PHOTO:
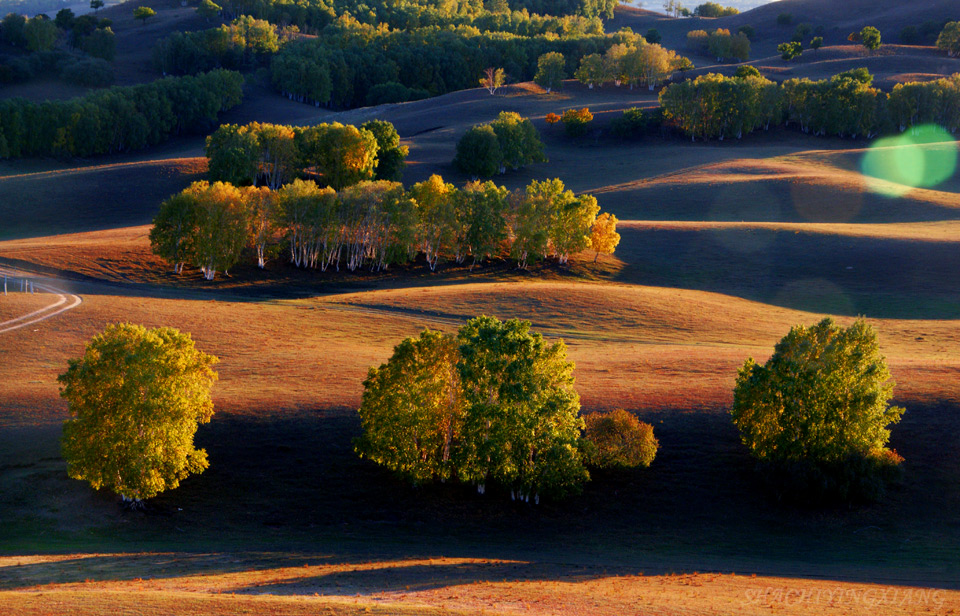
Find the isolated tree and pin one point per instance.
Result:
(653, 36)
(412, 409)
(135, 398)
(575, 121)
(143, 13)
(789, 51)
(816, 43)
(870, 38)
(745, 71)
(391, 156)
(551, 70)
(521, 426)
(949, 39)
(208, 9)
(603, 235)
(96, 5)
(618, 440)
(478, 152)
(493, 79)
(822, 399)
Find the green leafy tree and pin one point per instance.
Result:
(440, 220)
(746, 71)
(143, 13)
(551, 71)
(341, 155)
(208, 9)
(822, 399)
(391, 156)
(478, 152)
(789, 51)
(101, 43)
(233, 155)
(618, 440)
(816, 43)
(870, 38)
(653, 36)
(572, 220)
(64, 19)
(221, 231)
(519, 141)
(265, 220)
(11, 29)
(96, 5)
(482, 209)
(40, 33)
(784, 19)
(591, 71)
(949, 39)
(135, 399)
(412, 409)
(174, 229)
(521, 427)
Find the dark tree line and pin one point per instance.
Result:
(352, 64)
(244, 44)
(117, 119)
(846, 105)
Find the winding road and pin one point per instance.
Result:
(64, 302)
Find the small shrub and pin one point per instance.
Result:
(636, 122)
(618, 440)
(746, 71)
(575, 121)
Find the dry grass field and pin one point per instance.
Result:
(724, 247)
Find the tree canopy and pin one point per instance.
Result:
(136, 397)
(509, 142)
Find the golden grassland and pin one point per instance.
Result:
(724, 247)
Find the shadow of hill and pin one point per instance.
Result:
(876, 277)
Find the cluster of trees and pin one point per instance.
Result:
(136, 398)
(376, 224)
(644, 64)
(92, 40)
(243, 44)
(494, 404)
(351, 64)
(949, 39)
(712, 9)
(509, 142)
(868, 36)
(720, 44)
(816, 414)
(846, 105)
(924, 34)
(336, 155)
(116, 119)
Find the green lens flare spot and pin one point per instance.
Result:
(923, 157)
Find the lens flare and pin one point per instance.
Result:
(923, 157)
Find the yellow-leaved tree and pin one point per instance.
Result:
(603, 235)
(136, 398)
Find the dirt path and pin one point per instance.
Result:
(65, 301)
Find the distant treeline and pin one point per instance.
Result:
(376, 224)
(715, 107)
(117, 119)
(314, 15)
(352, 64)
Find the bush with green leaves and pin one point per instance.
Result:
(949, 39)
(509, 142)
(618, 440)
(494, 405)
(135, 398)
(820, 403)
(790, 50)
(636, 122)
